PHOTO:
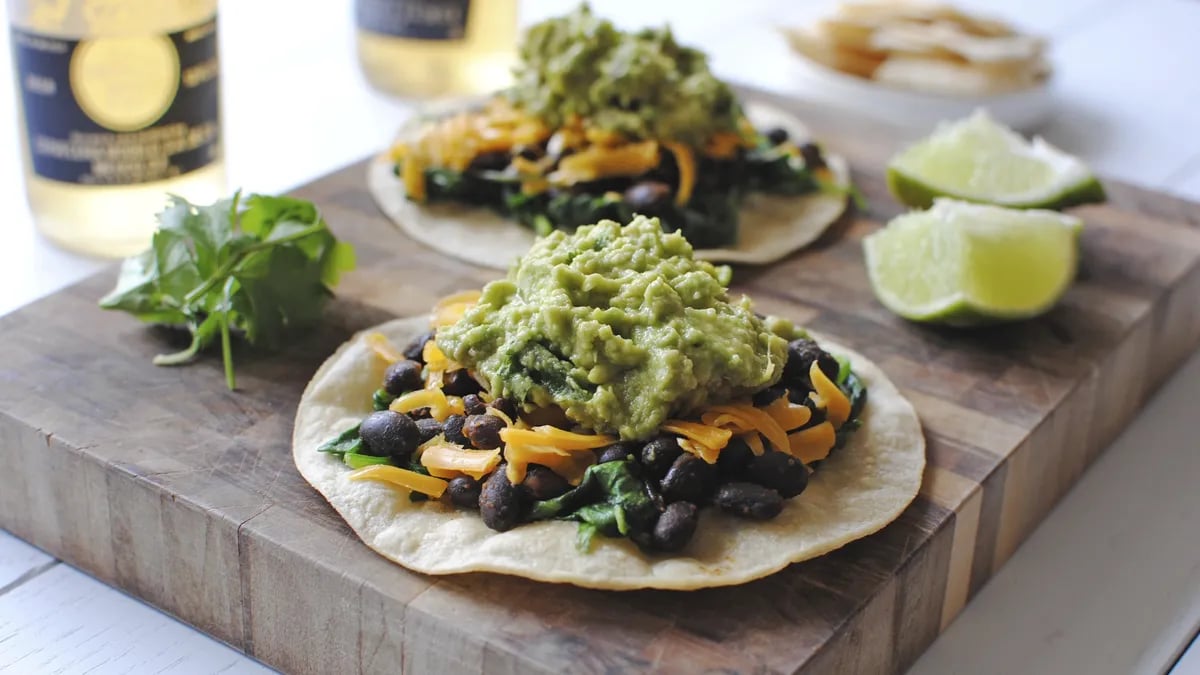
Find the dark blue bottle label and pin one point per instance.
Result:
(119, 111)
(414, 19)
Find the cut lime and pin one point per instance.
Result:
(978, 160)
(964, 264)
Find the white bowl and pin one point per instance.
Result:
(914, 111)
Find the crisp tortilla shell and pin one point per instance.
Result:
(855, 492)
(770, 227)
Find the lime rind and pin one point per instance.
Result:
(978, 160)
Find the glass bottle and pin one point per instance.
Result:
(424, 48)
(118, 107)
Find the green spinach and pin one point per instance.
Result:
(610, 499)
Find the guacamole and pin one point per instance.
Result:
(643, 84)
(618, 326)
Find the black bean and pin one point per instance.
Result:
(647, 195)
(542, 483)
(811, 153)
(675, 526)
(530, 152)
(474, 405)
(501, 504)
(748, 500)
(464, 491)
(801, 354)
(429, 428)
(460, 383)
(506, 406)
(734, 458)
(483, 431)
(452, 429)
(780, 472)
(616, 451)
(659, 454)
(420, 414)
(777, 135)
(690, 479)
(768, 395)
(389, 434)
(415, 351)
(490, 161)
(402, 376)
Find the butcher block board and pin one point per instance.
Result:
(165, 484)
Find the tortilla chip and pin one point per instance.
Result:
(858, 490)
(770, 227)
(938, 76)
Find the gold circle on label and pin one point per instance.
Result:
(126, 83)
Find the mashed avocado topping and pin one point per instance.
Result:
(643, 84)
(620, 327)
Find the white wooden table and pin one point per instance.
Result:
(1110, 583)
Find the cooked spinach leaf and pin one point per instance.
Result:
(610, 499)
(347, 441)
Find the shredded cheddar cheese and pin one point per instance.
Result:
(755, 442)
(384, 348)
(758, 420)
(409, 480)
(447, 460)
(708, 437)
(569, 465)
(829, 396)
(813, 443)
(787, 414)
(450, 309)
(440, 407)
(686, 162)
(594, 162)
(554, 437)
(704, 452)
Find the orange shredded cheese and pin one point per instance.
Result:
(724, 145)
(409, 480)
(412, 173)
(447, 460)
(450, 309)
(755, 442)
(710, 437)
(686, 162)
(829, 396)
(569, 465)
(758, 420)
(440, 407)
(384, 348)
(813, 443)
(595, 162)
(787, 414)
(700, 450)
(546, 435)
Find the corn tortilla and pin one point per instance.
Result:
(859, 489)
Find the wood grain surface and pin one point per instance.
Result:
(166, 485)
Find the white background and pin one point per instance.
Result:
(1110, 583)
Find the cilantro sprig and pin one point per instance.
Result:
(260, 266)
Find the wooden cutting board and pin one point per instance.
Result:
(164, 483)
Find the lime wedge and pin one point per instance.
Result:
(965, 264)
(979, 160)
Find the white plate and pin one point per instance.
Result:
(913, 111)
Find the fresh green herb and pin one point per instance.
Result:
(611, 499)
(381, 399)
(346, 442)
(262, 266)
(356, 461)
(843, 369)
